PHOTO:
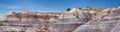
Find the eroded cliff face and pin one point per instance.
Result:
(75, 20)
(90, 13)
(31, 16)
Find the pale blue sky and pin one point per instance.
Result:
(52, 5)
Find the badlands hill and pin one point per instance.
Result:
(75, 20)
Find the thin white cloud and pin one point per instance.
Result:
(2, 5)
(31, 8)
(8, 6)
(40, 8)
(13, 7)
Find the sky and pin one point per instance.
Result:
(52, 5)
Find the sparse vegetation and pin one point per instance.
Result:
(68, 9)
